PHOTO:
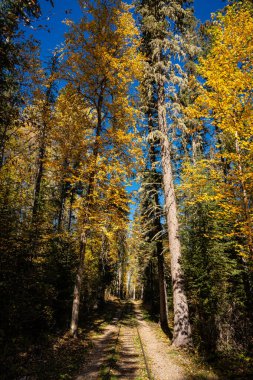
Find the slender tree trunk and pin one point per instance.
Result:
(62, 204)
(42, 150)
(182, 328)
(71, 209)
(78, 288)
(2, 145)
(34, 232)
(90, 196)
(62, 207)
(37, 190)
(118, 282)
(134, 292)
(163, 303)
(121, 286)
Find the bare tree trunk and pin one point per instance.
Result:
(163, 304)
(62, 197)
(34, 232)
(43, 145)
(3, 137)
(133, 292)
(78, 288)
(90, 195)
(182, 329)
(71, 209)
(122, 283)
(62, 207)
(37, 190)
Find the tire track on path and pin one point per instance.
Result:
(117, 352)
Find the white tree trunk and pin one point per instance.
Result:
(134, 292)
(182, 329)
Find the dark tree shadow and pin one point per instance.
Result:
(61, 356)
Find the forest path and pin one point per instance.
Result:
(116, 353)
(164, 361)
(157, 351)
(131, 347)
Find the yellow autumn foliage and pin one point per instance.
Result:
(226, 102)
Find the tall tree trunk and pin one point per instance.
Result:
(42, 145)
(37, 190)
(163, 303)
(64, 186)
(148, 291)
(122, 282)
(78, 288)
(71, 209)
(182, 328)
(34, 232)
(2, 145)
(90, 196)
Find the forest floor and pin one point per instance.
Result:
(119, 342)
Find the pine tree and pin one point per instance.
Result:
(15, 56)
(164, 26)
(151, 214)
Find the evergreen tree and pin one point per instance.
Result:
(15, 60)
(164, 26)
(151, 214)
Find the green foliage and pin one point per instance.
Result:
(217, 280)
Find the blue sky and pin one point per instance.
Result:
(203, 8)
(52, 33)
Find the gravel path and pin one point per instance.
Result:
(102, 348)
(116, 352)
(160, 362)
(130, 364)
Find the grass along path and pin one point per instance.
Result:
(165, 361)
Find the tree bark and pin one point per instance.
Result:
(37, 190)
(42, 148)
(163, 304)
(2, 145)
(71, 209)
(78, 288)
(182, 328)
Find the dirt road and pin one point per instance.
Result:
(129, 348)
